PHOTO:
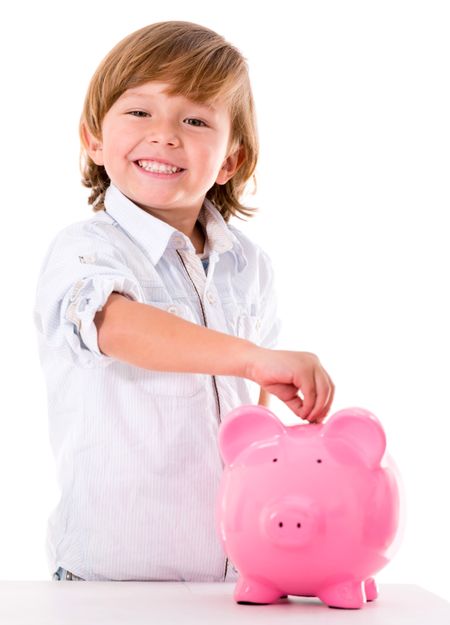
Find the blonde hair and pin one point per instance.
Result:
(198, 64)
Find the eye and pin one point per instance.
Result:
(275, 460)
(193, 121)
(319, 460)
(139, 114)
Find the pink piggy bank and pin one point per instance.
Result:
(308, 510)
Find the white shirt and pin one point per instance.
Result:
(136, 450)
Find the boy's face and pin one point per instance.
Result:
(164, 152)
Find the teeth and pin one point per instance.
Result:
(158, 168)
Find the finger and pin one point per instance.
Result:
(295, 404)
(309, 390)
(287, 393)
(329, 400)
(323, 390)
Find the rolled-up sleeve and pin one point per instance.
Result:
(81, 270)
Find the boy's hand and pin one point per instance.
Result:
(286, 373)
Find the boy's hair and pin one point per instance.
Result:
(198, 64)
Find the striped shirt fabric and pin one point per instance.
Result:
(136, 450)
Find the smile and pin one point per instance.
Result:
(159, 168)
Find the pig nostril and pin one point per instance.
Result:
(280, 524)
(299, 524)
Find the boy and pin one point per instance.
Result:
(153, 313)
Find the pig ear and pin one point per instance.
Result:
(355, 430)
(244, 426)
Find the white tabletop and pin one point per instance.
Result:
(139, 603)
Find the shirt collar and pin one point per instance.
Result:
(155, 235)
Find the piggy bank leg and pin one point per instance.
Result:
(348, 595)
(250, 591)
(370, 587)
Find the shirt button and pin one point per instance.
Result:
(210, 297)
(173, 310)
(179, 241)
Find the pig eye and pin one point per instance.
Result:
(319, 460)
(275, 460)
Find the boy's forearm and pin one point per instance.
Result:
(148, 337)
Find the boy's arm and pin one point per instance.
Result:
(147, 337)
(151, 338)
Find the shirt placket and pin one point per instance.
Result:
(194, 268)
(201, 284)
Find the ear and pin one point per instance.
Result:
(355, 431)
(246, 425)
(230, 165)
(94, 146)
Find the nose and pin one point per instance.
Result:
(290, 521)
(163, 133)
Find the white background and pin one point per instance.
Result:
(353, 102)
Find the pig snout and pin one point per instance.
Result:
(290, 522)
